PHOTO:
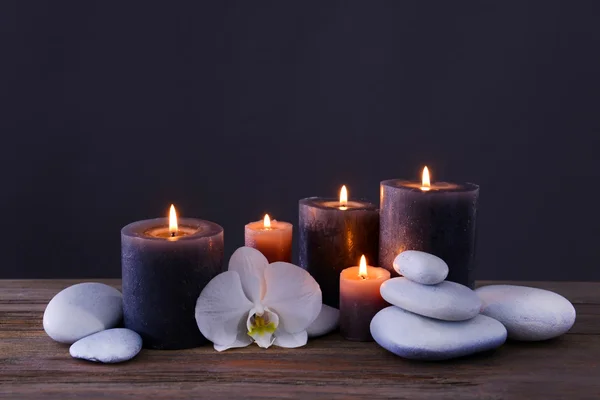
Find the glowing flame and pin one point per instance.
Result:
(425, 181)
(343, 197)
(362, 267)
(173, 221)
(267, 222)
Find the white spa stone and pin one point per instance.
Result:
(527, 313)
(448, 301)
(110, 346)
(415, 337)
(421, 267)
(82, 309)
(326, 322)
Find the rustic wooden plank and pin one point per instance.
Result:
(327, 367)
(42, 290)
(33, 295)
(27, 318)
(34, 366)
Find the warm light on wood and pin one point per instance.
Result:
(362, 267)
(569, 364)
(425, 181)
(173, 221)
(267, 222)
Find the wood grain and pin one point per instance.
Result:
(34, 366)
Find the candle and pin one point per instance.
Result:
(270, 237)
(165, 265)
(333, 235)
(438, 218)
(360, 299)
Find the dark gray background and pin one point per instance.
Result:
(113, 110)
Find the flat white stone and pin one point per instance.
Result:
(110, 346)
(527, 313)
(415, 337)
(421, 267)
(448, 301)
(326, 322)
(82, 309)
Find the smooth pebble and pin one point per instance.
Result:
(448, 301)
(527, 313)
(415, 337)
(421, 267)
(326, 322)
(110, 346)
(82, 309)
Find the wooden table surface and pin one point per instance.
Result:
(34, 366)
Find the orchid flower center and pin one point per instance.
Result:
(262, 326)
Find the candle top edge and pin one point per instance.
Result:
(353, 205)
(204, 229)
(275, 225)
(374, 273)
(436, 187)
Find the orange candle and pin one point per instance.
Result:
(360, 299)
(270, 237)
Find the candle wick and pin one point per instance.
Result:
(172, 234)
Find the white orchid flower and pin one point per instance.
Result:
(254, 301)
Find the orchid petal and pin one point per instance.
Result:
(290, 340)
(293, 294)
(261, 327)
(242, 340)
(237, 344)
(250, 264)
(221, 311)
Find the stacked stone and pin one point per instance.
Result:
(430, 318)
(434, 319)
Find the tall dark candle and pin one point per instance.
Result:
(333, 237)
(439, 219)
(163, 277)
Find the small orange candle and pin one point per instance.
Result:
(270, 237)
(360, 299)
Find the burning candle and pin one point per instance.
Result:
(165, 265)
(270, 237)
(360, 299)
(437, 218)
(333, 235)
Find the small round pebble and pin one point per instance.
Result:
(82, 309)
(326, 322)
(448, 301)
(110, 346)
(421, 267)
(527, 313)
(415, 337)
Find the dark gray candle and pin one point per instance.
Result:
(438, 219)
(163, 276)
(334, 237)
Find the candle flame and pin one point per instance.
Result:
(343, 197)
(362, 267)
(425, 181)
(173, 221)
(267, 221)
